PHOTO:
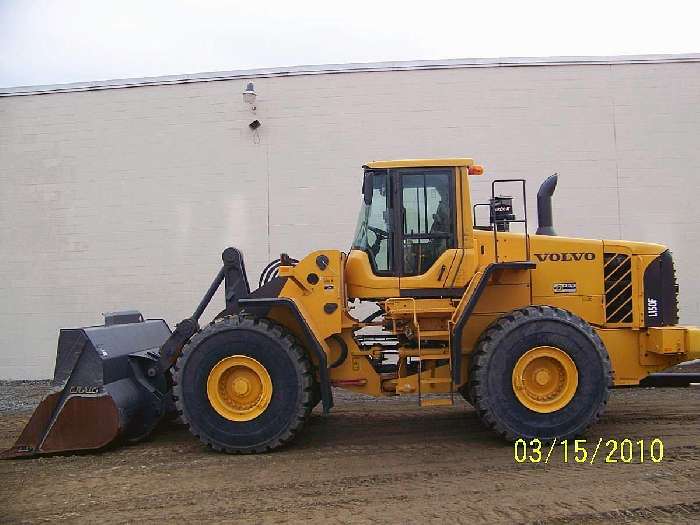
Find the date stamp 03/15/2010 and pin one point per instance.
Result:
(583, 451)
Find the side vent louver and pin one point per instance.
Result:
(618, 287)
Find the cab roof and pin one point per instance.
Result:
(420, 163)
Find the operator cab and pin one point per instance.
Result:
(409, 227)
(425, 216)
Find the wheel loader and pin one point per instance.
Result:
(532, 330)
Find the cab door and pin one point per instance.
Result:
(371, 271)
(426, 236)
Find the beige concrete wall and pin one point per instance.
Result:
(124, 198)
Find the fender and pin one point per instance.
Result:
(261, 306)
(456, 342)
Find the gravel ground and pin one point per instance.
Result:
(369, 461)
(19, 396)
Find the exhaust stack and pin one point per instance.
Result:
(545, 223)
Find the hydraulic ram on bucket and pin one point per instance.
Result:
(112, 382)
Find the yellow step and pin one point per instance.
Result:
(426, 357)
(435, 381)
(427, 354)
(434, 334)
(436, 402)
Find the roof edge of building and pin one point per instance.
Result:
(356, 67)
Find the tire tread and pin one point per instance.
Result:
(494, 334)
(285, 340)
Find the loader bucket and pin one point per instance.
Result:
(107, 386)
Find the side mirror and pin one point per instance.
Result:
(368, 187)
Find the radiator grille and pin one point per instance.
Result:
(618, 287)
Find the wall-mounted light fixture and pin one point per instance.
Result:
(249, 95)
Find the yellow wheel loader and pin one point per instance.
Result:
(533, 330)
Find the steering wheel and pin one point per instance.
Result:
(381, 234)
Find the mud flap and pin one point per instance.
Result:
(108, 385)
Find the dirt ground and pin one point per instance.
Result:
(371, 461)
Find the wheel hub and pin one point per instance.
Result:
(542, 377)
(545, 379)
(239, 388)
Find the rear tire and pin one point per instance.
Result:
(281, 362)
(498, 359)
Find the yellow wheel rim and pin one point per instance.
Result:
(239, 388)
(545, 379)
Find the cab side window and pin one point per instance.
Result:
(428, 217)
(379, 225)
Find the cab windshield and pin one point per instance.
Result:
(373, 233)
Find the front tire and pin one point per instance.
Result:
(539, 372)
(243, 385)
